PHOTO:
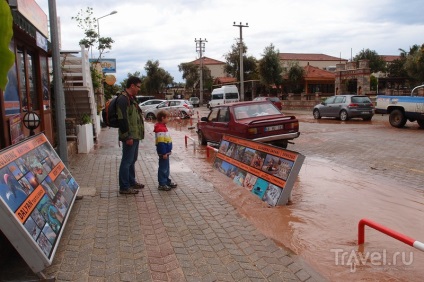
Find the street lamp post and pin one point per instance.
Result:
(98, 28)
(200, 47)
(241, 59)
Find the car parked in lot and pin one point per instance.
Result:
(180, 108)
(194, 101)
(275, 100)
(345, 107)
(255, 120)
(150, 103)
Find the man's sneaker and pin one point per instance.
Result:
(164, 187)
(128, 191)
(172, 185)
(137, 186)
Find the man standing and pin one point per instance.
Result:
(131, 131)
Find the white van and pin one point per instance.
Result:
(223, 95)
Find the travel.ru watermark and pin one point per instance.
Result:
(376, 258)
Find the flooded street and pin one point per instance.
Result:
(353, 170)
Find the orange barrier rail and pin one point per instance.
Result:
(392, 233)
(210, 148)
(188, 137)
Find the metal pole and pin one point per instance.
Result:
(58, 87)
(241, 59)
(200, 47)
(98, 29)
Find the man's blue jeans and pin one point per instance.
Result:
(127, 168)
(163, 171)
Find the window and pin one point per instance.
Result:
(28, 80)
(224, 115)
(359, 99)
(231, 96)
(330, 100)
(217, 96)
(339, 99)
(213, 116)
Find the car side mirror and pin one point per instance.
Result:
(204, 119)
(323, 103)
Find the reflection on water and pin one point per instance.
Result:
(321, 223)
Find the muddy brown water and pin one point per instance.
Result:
(321, 223)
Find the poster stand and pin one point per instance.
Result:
(37, 193)
(267, 171)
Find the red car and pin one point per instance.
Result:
(274, 100)
(256, 120)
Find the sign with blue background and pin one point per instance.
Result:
(108, 65)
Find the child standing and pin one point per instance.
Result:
(164, 150)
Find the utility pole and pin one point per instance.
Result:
(200, 47)
(241, 59)
(58, 87)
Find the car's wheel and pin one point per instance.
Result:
(150, 116)
(397, 118)
(183, 114)
(343, 115)
(317, 114)
(421, 123)
(201, 138)
(282, 144)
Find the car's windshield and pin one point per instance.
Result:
(255, 110)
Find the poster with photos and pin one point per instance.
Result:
(36, 195)
(265, 170)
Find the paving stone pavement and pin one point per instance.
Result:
(187, 234)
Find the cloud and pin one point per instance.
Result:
(165, 30)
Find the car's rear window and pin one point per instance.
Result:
(361, 99)
(274, 99)
(255, 110)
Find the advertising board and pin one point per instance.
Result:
(37, 193)
(267, 171)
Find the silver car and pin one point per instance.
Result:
(345, 107)
(150, 103)
(181, 108)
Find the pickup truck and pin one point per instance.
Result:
(402, 108)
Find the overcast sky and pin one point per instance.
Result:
(165, 30)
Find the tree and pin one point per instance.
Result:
(191, 73)
(414, 65)
(270, 69)
(123, 83)
(232, 65)
(88, 23)
(157, 79)
(7, 57)
(377, 63)
(295, 76)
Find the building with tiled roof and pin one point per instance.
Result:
(318, 80)
(321, 61)
(216, 67)
(390, 58)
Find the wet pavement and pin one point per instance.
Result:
(209, 229)
(188, 234)
(353, 170)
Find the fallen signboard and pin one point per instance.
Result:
(267, 171)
